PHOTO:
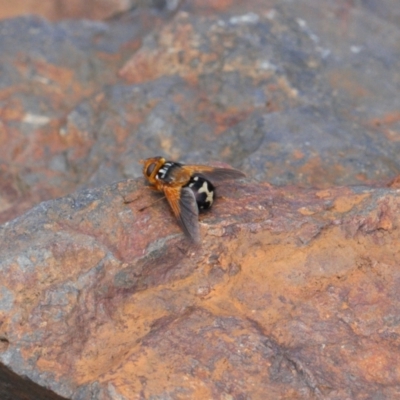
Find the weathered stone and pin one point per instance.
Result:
(64, 9)
(47, 70)
(292, 293)
(277, 90)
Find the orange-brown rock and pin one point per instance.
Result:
(293, 294)
(64, 9)
(292, 93)
(45, 132)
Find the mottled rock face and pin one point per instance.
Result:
(65, 9)
(293, 292)
(292, 94)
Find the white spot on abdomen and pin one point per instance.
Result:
(210, 195)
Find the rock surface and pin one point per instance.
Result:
(65, 9)
(277, 90)
(293, 293)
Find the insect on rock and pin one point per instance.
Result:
(187, 188)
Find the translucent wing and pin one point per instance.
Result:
(184, 206)
(215, 174)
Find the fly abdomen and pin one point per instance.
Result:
(203, 190)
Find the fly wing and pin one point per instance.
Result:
(215, 174)
(184, 206)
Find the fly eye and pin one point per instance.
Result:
(150, 169)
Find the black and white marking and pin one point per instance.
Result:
(203, 190)
(164, 173)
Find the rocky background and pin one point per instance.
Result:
(293, 293)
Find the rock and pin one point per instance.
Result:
(62, 65)
(277, 91)
(62, 9)
(292, 292)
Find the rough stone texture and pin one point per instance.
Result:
(48, 70)
(64, 9)
(293, 293)
(278, 91)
